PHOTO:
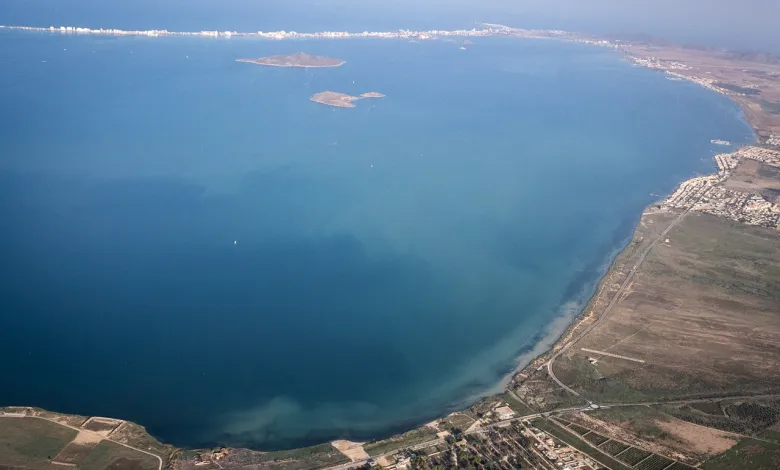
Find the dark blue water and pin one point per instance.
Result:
(190, 243)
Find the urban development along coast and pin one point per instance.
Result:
(672, 365)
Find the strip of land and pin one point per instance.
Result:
(341, 100)
(300, 59)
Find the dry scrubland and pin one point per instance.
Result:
(702, 312)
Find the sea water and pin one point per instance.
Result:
(190, 243)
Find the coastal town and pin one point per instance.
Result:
(711, 195)
(278, 35)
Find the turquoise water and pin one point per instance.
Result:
(190, 243)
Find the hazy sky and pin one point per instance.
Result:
(749, 24)
(738, 22)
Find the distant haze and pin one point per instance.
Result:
(745, 24)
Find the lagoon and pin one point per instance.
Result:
(192, 244)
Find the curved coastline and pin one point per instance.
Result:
(560, 326)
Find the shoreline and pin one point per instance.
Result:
(561, 327)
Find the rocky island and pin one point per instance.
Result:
(342, 100)
(301, 59)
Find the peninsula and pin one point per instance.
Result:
(342, 100)
(301, 59)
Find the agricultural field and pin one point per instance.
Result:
(32, 443)
(633, 456)
(654, 462)
(109, 455)
(613, 447)
(578, 443)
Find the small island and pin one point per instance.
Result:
(342, 100)
(301, 59)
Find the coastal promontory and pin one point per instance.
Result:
(342, 100)
(300, 59)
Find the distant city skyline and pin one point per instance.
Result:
(719, 23)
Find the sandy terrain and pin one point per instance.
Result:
(87, 437)
(102, 426)
(353, 450)
(342, 100)
(699, 439)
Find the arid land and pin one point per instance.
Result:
(341, 100)
(300, 59)
(674, 364)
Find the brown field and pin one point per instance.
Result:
(533, 385)
(31, 443)
(102, 426)
(703, 311)
(75, 454)
(36, 442)
(658, 432)
(110, 456)
(136, 436)
(756, 177)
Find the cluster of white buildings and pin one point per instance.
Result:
(706, 194)
(658, 64)
(402, 34)
(747, 208)
(690, 191)
(768, 156)
(561, 456)
(773, 140)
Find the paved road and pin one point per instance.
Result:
(614, 301)
(159, 459)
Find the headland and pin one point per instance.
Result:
(300, 59)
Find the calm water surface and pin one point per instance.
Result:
(190, 243)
